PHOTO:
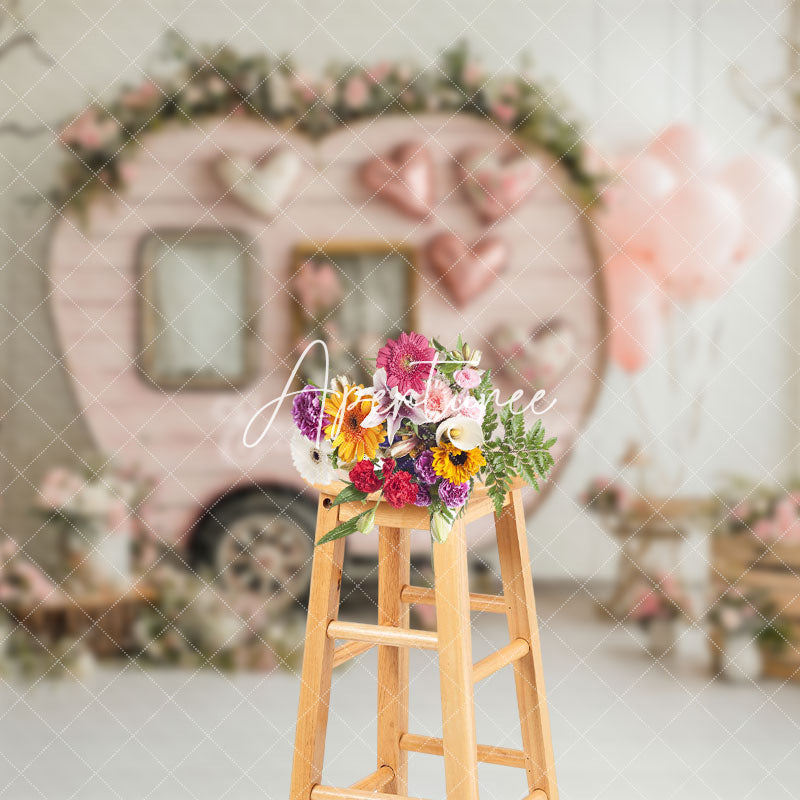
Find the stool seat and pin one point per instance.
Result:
(393, 637)
(412, 517)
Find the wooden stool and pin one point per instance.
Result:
(392, 635)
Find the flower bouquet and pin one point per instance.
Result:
(421, 435)
(771, 514)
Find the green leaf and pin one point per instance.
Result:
(345, 529)
(348, 495)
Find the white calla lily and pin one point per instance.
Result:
(463, 432)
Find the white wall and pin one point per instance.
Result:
(627, 67)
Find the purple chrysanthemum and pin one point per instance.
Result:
(423, 496)
(423, 466)
(307, 410)
(454, 495)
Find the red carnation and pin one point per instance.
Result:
(399, 490)
(364, 478)
(388, 467)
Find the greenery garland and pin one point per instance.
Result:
(212, 81)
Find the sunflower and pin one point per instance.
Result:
(456, 466)
(347, 410)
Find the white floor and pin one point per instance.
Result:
(623, 726)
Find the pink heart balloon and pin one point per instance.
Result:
(696, 232)
(404, 178)
(633, 302)
(683, 148)
(766, 190)
(494, 183)
(466, 271)
(631, 201)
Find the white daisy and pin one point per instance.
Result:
(312, 462)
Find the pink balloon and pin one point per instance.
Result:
(766, 190)
(630, 203)
(684, 148)
(695, 235)
(633, 302)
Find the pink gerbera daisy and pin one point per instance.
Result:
(408, 361)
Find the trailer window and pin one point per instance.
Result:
(196, 310)
(353, 296)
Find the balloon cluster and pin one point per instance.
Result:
(676, 227)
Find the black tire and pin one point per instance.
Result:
(258, 546)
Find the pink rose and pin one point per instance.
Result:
(510, 90)
(303, 85)
(356, 92)
(504, 112)
(785, 515)
(88, 131)
(379, 72)
(764, 529)
(473, 74)
(142, 97)
(216, 85)
(59, 488)
(127, 172)
(741, 511)
(468, 378)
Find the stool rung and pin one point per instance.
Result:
(491, 603)
(503, 756)
(497, 660)
(345, 652)
(383, 634)
(332, 793)
(376, 781)
(538, 794)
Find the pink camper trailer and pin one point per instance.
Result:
(180, 312)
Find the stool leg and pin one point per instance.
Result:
(512, 545)
(315, 686)
(455, 665)
(394, 570)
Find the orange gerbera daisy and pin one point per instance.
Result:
(347, 410)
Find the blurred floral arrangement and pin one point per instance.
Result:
(22, 583)
(662, 600)
(192, 625)
(207, 81)
(770, 514)
(89, 507)
(605, 496)
(23, 655)
(738, 613)
(421, 435)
